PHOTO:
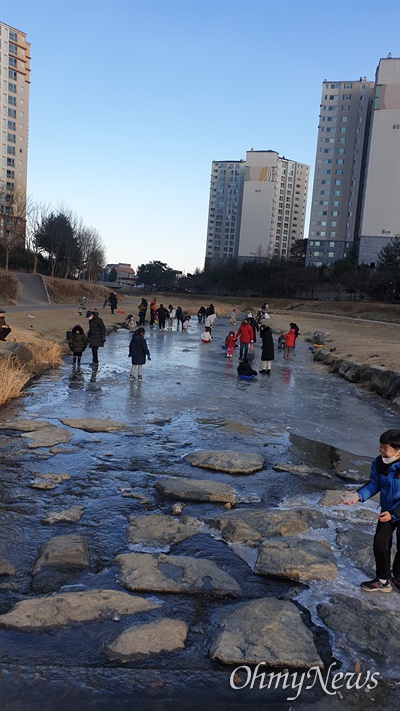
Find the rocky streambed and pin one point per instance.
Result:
(139, 564)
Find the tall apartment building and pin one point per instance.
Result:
(226, 187)
(257, 207)
(15, 80)
(380, 208)
(356, 192)
(273, 205)
(342, 136)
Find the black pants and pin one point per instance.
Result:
(4, 333)
(382, 547)
(142, 318)
(161, 322)
(95, 350)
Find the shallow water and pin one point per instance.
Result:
(190, 398)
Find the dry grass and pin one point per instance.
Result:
(46, 352)
(13, 378)
(68, 291)
(8, 289)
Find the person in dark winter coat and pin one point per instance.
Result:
(138, 351)
(162, 314)
(96, 335)
(77, 343)
(179, 317)
(244, 368)
(253, 323)
(267, 353)
(113, 301)
(142, 311)
(4, 327)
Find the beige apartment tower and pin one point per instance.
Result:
(15, 81)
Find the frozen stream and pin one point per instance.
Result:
(190, 398)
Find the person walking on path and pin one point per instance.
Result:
(77, 344)
(162, 314)
(385, 478)
(96, 336)
(113, 301)
(4, 327)
(290, 339)
(138, 351)
(267, 352)
(245, 336)
(230, 342)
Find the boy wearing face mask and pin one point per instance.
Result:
(384, 477)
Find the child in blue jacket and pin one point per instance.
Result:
(384, 477)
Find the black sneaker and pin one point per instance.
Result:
(263, 371)
(395, 582)
(376, 586)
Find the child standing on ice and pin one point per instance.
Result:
(230, 342)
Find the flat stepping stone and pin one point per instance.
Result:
(48, 436)
(357, 545)
(196, 490)
(59, 610)
(252, 527)
(69, 551)
(175, 574)
(92, 424)
(69, 515)
(141, 641)
(268, 631)
(297, 559)
(25, 425)
(228, 461)
(159, 530)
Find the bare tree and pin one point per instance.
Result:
(13, 211)
(36, 216)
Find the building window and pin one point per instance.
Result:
(338, 182)
(12, 87)
(332, 234)
(12, 62)
(12, 74)
(346, 97)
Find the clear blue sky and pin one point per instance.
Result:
(131, 101)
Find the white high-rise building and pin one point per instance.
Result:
(257, 207)
(380, 208)
(15, 81)
(273, 205)
(341, 146)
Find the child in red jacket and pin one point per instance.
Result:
(230, 341)
(290, 339)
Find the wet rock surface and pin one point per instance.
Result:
(47, 436)
(196, 489)
(250, 527)
(357, 545)
(297, 559)
(266, 631)
(70, 515)
(6, 568)
(143, 641)
(231, 462)
(366, 625)
(159, 530)
(64, 609)
(92, 424)
(177, 574)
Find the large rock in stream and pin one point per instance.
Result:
(357, 545)
(175, 574)
(196, 490)
(159, 530)
(229, 461)
(266, 630)
(58, 560)
(59, 610)
(369, 627)
(48, 436)
(251, 527)
(297, 559)
(141, 641)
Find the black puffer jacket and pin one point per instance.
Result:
(138, 349)
(97, 332)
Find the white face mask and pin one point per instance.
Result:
(390, 460)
